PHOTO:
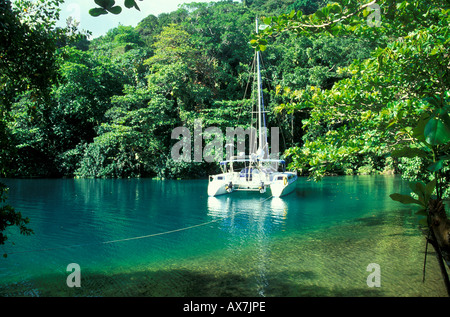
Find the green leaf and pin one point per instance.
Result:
(291, 15)
(436, 132)
(320, 14)
(418, 131)
(434, 51)
(446, 119)
(434, 100)
(436, 166)
(392, 122)
(101, 3)
(262, 42)
(335, 8)
(95, 12)
(418, 188)
(115, 10)
(267, 20)
(429, 188)
(366, 12)
(405, 199)
(129, 3)
(105, 3)
(401, 5)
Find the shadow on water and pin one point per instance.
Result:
(178, 283)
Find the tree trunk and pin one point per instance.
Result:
(439, 225)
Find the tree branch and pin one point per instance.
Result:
(324, 25)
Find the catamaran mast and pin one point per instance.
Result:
(261, 121)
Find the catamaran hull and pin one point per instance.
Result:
(279, 189)
(282, 185)
(217, 189)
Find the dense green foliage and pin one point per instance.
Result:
(111, 108)
(390, 110)
(28, 43)
(343, 98)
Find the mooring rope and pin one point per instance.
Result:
(132, 238)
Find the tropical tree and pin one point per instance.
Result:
(27, 64)
(394, 103)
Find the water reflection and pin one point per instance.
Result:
(274, 209)
(251, 221)
(218, 207)
(279, 209)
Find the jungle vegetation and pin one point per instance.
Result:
(356, 87)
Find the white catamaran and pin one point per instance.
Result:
(254, 172)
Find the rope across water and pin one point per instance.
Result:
(132, 238)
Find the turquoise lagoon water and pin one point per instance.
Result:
(144, 237)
